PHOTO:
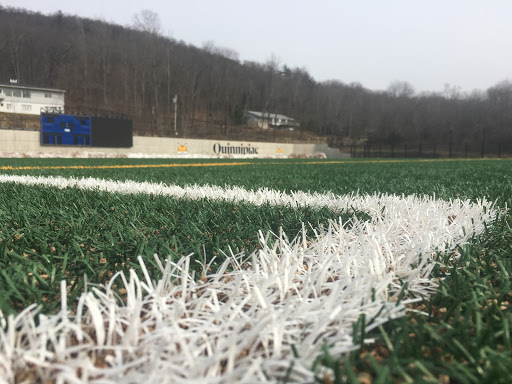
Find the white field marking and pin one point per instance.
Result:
(240, 326)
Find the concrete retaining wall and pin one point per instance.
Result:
(15, 141)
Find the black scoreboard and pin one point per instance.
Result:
(107, 132)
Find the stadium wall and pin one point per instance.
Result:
(18, 141)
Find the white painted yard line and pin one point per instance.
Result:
(240, 326)
(371, 204)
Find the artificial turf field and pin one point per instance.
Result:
(459, 334)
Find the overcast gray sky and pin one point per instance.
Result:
(428, 43)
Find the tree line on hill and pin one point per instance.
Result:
(137, 71)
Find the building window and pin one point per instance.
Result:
(8, 106)
(48, 95)
(8, 92)
(26, 93)
(16, 92)
(26, 107)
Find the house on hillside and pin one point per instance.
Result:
(28, 100)
(266, 120)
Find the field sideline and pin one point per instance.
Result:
(221, 164)
(365, 252)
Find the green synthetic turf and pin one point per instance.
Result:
(48, 234)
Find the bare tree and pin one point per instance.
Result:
(14, 46)
(228, 53)
(400, 88)
(147, 21)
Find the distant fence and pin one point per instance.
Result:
(464, 150)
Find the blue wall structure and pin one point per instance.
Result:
(57, 129)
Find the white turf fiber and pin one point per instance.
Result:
(242, 325)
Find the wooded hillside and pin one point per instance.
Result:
(136, 71)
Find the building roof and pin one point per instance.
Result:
(17, 86)
(267, 115)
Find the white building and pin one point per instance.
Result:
(266, 120)
(16, 98)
